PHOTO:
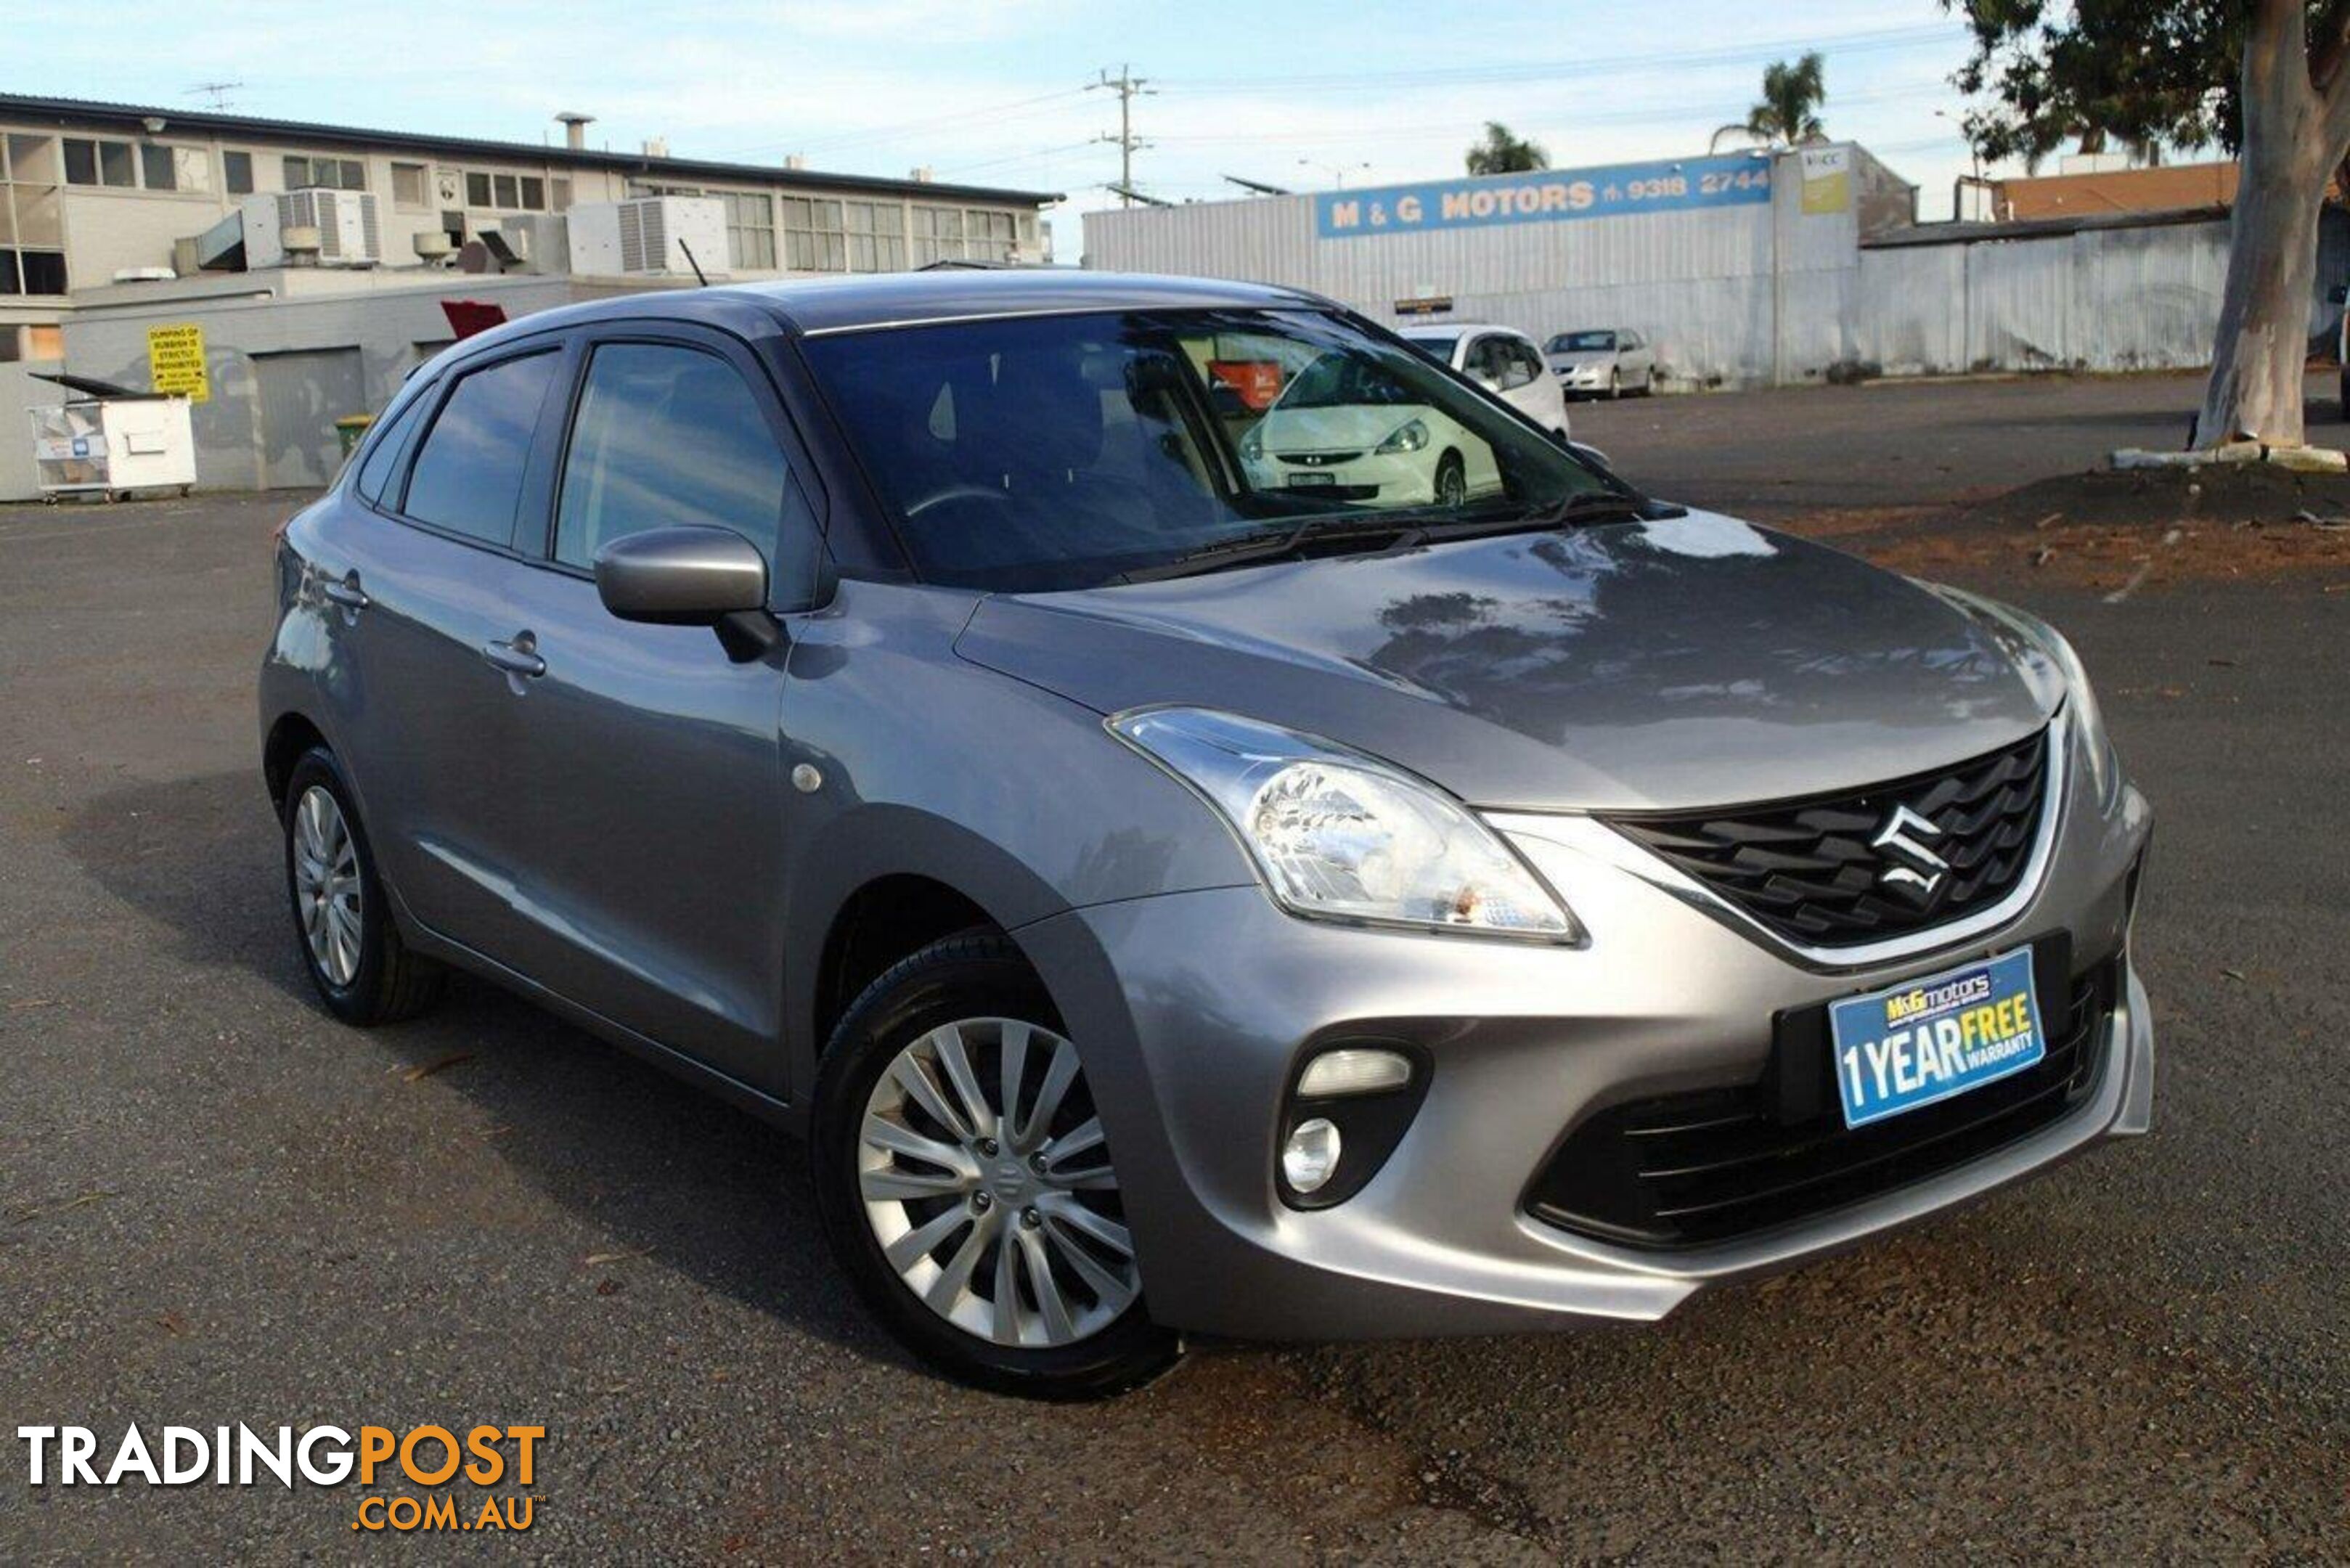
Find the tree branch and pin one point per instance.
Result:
(2332, 45)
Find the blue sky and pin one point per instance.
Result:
(993, 91)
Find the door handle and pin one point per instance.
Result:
(346, 592)
(519, 657)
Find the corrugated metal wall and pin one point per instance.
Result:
(1701, 285)
(2102, 299)
(1699, 282)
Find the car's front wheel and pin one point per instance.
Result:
(966, 1184)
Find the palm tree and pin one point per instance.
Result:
(1502, 152)
(1789, 114)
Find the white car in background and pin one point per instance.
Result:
(1502, 360)
(1345, 430)
(1602, 362)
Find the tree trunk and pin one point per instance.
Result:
(2259, 355)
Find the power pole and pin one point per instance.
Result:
(1127, 86)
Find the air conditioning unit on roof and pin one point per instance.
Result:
(648, 236)
(344, 222)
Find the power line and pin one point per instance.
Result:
(1470, 75)
(899, 129)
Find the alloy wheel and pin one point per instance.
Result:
(987, 1182)
(327, 884)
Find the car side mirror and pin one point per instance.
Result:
(691, 577)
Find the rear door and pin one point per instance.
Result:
(650, 801)
(1526, 382)
(424, 577)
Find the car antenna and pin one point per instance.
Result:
(700, 280)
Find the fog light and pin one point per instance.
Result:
(1311, 1154)
(1354, 1071)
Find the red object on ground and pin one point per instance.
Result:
(467, 317)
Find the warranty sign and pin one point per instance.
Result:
(175, 362)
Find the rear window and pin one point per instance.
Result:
(1582, 342)
(384, 455)
(468, 476)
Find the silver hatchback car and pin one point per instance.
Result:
(1177, 893)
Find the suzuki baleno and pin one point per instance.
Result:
(1182, 875)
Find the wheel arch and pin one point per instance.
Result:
(290, 735)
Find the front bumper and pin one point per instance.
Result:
(1193, 1009)
(1407, 479)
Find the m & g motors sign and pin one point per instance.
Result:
(1545, 196)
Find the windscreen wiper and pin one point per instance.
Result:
(1272, 543)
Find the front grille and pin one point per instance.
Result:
(1319, 458)
(1711, 1165)
(1820, 870)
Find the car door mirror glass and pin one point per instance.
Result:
(681, 576)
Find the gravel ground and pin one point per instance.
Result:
(216, 1205)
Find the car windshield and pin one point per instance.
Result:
(1054, 451)
(1582, 342)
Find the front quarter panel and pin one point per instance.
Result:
(930, 765)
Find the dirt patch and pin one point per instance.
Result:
(2118, 531)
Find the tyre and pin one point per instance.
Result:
(1451, 480)
(364, 973)
(965, 1185)
(1615, 385)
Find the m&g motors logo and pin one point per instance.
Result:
(429, 1457)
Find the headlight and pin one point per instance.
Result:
(1409, 436)
(1251, 444)
(1341, 836)
(2103, 763)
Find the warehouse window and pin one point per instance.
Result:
(505, 192)
(558, 192)
(937, 235)
(813, 239)
(93, 162)
(32, 217)
(993, 236)
(165, 167)
(750, 231)
(877, 236)
(236, 173)
(409, 191)
(328, 173)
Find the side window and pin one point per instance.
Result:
(667, 436)
(468, 476)
(376, 466)
(1525, 365)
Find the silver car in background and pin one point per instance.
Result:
(1172, 893)
(1602, 362)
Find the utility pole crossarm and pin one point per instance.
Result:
(1127, 86)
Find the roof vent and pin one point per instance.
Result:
(657, 147)
(794, 160)
(925, 173)
(575, 129)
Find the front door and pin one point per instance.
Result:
(650, 799)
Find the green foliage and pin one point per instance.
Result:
(2138, 74)
(1500, 152)
(1789, 113)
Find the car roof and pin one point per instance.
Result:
(828, 305)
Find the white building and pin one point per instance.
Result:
(1739, 269)
(104, 210)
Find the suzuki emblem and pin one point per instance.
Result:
(1920, 870)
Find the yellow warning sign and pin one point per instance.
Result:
(175, 361)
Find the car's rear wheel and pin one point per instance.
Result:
(967, 1185)
(1451, 480)
(363, 971)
